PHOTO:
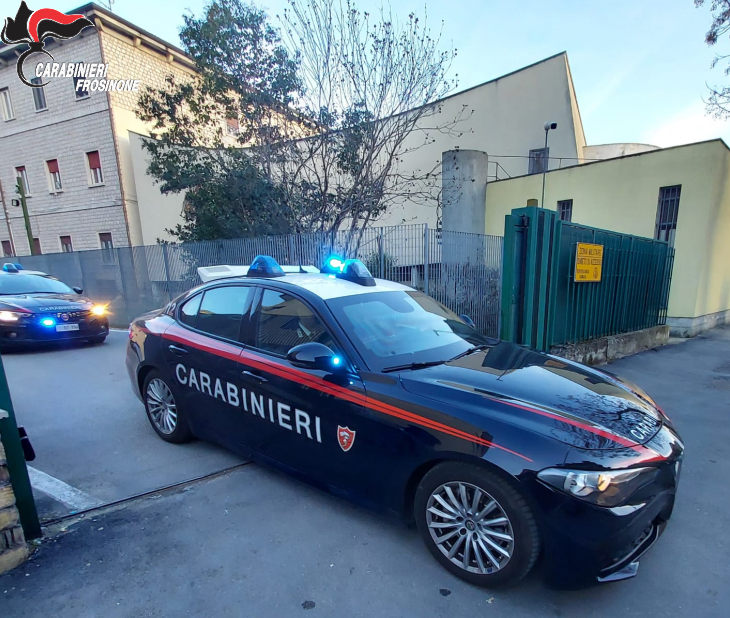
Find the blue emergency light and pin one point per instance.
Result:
(48, 322)
(265, 266)
(11, 268)
(350, 270)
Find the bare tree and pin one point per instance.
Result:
(718, 103)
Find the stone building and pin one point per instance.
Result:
(72, 149)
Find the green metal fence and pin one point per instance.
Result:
(542, 303)
(633, 292)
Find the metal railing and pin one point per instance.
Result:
(463, 271)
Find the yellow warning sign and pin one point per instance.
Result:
(588, 262)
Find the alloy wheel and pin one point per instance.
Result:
(161, 405)
(470, 527)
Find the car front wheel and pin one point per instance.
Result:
(476, 524)
(163, 410)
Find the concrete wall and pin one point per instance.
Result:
(622, 195)
(65, 131)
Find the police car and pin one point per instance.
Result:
(376, 392)
(37, 308)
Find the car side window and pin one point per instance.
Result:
(285, 322)
(189, 311)
(221, 311)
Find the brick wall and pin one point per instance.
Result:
(13, 550)
(65, 131)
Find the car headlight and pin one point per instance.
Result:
(99, 310)
(609, 488)
(10, 316)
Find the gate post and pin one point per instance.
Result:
(526, 282)
(10, 440)
(426, 258)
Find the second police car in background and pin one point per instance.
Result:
(376, 392)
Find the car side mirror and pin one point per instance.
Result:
(468, 320)
(315, 356)
(78, 290)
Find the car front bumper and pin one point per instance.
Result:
(31, 331)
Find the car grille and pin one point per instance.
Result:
(71, 317)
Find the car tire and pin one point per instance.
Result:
(97, 340)
(485, 565)
(164, 409)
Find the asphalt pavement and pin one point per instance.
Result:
(252, 542)
(90, 432)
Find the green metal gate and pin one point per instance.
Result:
(542, 303)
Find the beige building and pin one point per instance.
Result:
(679, 194)
(72, 149)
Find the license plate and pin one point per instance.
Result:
(63, 328)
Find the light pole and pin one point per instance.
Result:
(548, 126)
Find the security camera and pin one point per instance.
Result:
(551, 125)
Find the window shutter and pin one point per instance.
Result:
(94, 159)
(52, 166)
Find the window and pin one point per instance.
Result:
(39, 95)
(397, 328)
(222, 310)
(37, 247)
(54, 176)
(565, 210)
(107, 247)
(66, 244)
(7, 104)
(232, 126)
(7, 248)
(23, 175)
(285, 322)
(79, 94)
(667, 213)
(189, 311)
(93, 160)
(539, 161)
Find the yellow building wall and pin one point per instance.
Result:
(622, 195)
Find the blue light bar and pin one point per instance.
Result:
(265, 266)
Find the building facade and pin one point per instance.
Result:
(71, 149)
(680, 194)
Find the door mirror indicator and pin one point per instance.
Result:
(314, 356)
(78, 290)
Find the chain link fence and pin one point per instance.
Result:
(463, 271)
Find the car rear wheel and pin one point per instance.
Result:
(476, 524)
(163, 410)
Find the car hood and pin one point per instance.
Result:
(45, 303)
(577, 405)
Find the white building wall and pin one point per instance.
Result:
(68, 129)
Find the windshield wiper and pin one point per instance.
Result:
(476, 348)
(413, 366)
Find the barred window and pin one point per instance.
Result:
(667, 213)
(565, 210)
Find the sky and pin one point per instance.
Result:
(640, 69)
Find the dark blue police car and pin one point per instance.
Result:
(376, 392)
(37, 308)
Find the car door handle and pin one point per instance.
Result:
(256, 376)
(177, 351)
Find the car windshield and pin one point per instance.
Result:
(31, 284)
(391, 329)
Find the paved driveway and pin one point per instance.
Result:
(255, 543)
(90, 432)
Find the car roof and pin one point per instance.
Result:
(328, 287)
(24, 272)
